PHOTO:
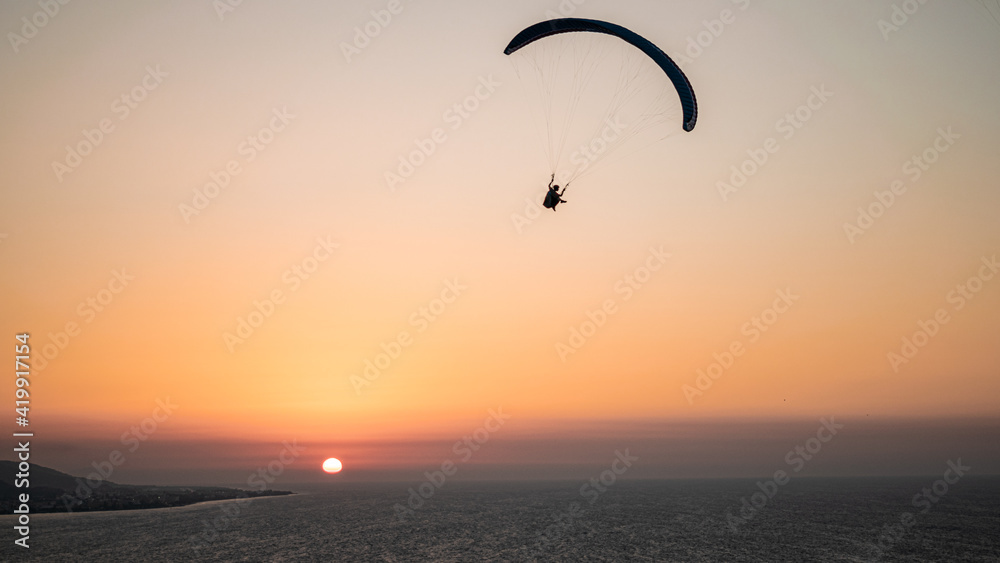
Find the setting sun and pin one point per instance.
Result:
(332, 465)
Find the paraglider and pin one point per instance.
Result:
(554, 196)
(570, 63)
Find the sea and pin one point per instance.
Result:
(808, 519)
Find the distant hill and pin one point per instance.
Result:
(55, 491)
(41, 476)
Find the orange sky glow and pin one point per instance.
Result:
(310, 300)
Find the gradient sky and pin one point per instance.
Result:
(322, 178)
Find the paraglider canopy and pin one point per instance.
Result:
(569, 25)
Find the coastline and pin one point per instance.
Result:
(128, 510)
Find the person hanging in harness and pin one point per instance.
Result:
(554, 196)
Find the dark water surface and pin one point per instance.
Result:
(805, 520)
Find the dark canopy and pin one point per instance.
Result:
(568, 25)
